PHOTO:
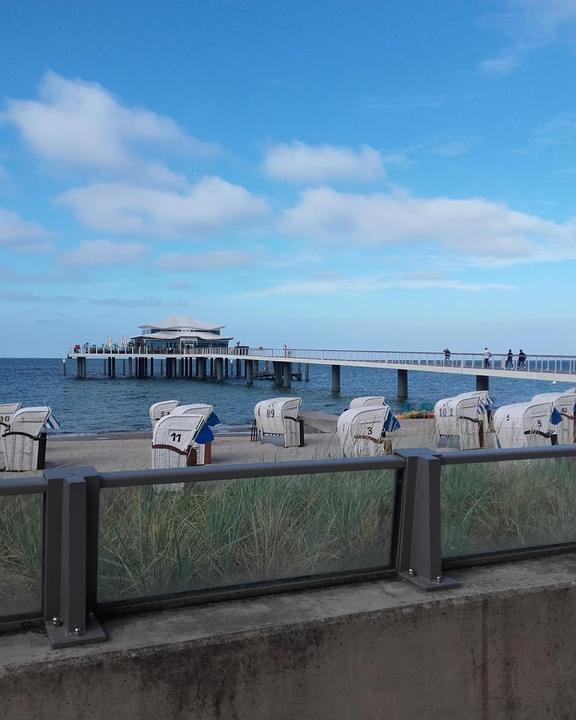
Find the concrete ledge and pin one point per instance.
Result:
(501, 646)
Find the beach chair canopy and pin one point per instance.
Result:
(367, 401)
(199, 408)
(279, 417)
(160, 409)
(6, 413)
(362, 431)
(173, 438)
(34, 420)
(526, 424)
(565, 403)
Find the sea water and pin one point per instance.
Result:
(100, 404)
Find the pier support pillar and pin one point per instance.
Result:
(201, 368)
(130, 367)
(277, 374)
(151, 367)
(111, 367)
(226, 367)
(286, 374)
(81, 368)
(249, 372)
(482, 382)
(306, 372)
(402, 384)
(219, 366)
(336, 379)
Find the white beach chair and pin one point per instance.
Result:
(565, 403)
(204, 450)
(527, 424)
(365, 430)
(160, 409)
(277, 421)
(463, 420)
(6, 414)
(176, 441)
(367, 401)
(25, 439)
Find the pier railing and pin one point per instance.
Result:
(552, 364)
(77, 546)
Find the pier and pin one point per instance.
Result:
(282, 366)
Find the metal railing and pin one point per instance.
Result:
(73, 517)
(545, 364)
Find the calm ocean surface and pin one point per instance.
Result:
(98, 404)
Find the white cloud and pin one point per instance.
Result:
(362, 285)
(22, 235)
(211, 205)
(214, 260)
(529, 25)
(503, 64)
(453, 148)
(98, 253)
(473, 227)
(80, 123)
(298, 162)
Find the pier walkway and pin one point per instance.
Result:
(246, 362)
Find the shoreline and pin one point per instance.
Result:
(131, 450)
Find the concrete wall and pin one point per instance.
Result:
(503, 645)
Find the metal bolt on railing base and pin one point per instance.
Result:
(438, 583)
(60, 638)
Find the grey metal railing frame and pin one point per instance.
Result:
(71, 528)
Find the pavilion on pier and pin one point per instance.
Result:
(178, 334)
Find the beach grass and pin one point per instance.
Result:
(20, 554)
(207, 535)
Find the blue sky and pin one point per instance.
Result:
(337, 173)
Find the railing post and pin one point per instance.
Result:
(70, 557)
(419, 558)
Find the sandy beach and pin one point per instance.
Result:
(108, 452)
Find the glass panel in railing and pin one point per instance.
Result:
(166, 539)
(487, 507)
(21, 555)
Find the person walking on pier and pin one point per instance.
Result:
(447, 353)
(509, 359)
(487, 356)
(522, 359)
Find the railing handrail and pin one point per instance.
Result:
(211, 473)
(281, 352)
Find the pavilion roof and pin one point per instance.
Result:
(180, 322)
